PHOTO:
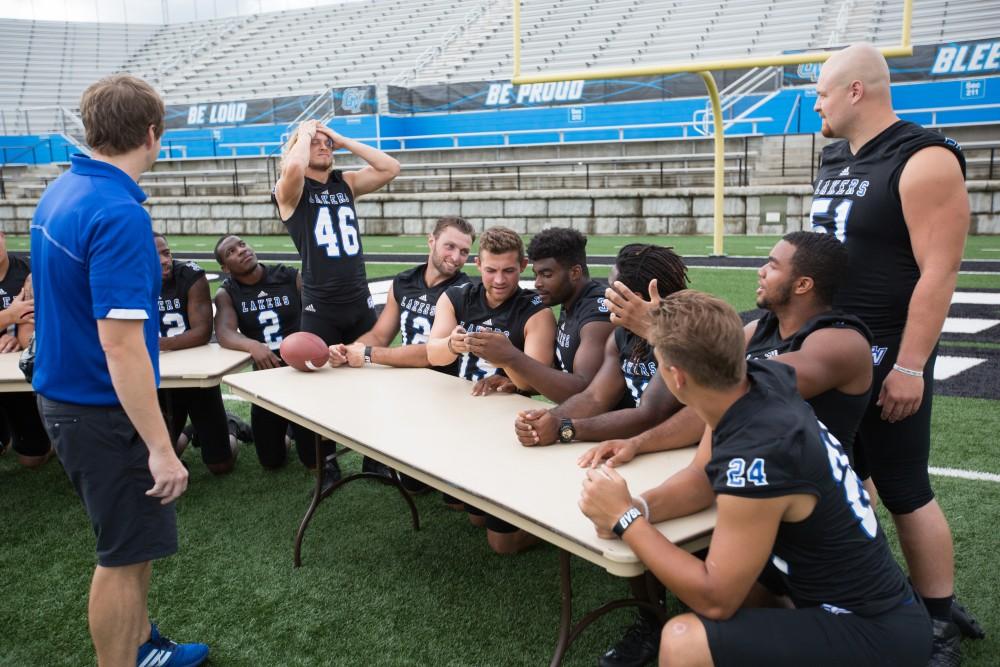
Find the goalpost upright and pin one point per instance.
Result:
(704, 69)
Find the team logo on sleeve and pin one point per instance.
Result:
(536, 300)
(878, 353)
(602, 305)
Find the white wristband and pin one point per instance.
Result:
(907, 371)
(645, 506)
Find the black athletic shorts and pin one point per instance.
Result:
(108, 464)
(497, 525)
(26, 430)
(895, 456)
(269, 432)
(818, 638)
(208, 416)
(339, 323)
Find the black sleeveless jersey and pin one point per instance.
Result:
(173, 300)
(417, 305)
(638, 370)
(325, 230)
(590, 307)
(839, 411)
(474, 314)
(17, 273)
(769, 444)
(270, 309)
(417, 302)
(856, 197)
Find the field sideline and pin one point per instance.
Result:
(372, 591)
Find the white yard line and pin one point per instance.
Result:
(946, 367)
(965, 474)
(979, 298)
(967, 325)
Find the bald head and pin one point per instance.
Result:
(858, 62)
(853, 97)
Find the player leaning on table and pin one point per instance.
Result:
(798, 571)
(185, 309)
(497, 304)
(256, 307)
(20, 423)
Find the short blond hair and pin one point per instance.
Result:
(498, 240)
(702, 335)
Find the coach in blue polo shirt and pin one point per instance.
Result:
(97, 278)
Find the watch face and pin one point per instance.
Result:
(566, 433)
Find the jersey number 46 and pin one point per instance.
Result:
(326, 235)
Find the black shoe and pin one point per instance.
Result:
(946, 650)
(239, 428)
(331, 474)
(637, 648)
(966, 622)
(376, 467)
(413, 486)
(187, 434)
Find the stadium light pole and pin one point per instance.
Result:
(704, 69)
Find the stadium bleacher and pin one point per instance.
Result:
(393, 42)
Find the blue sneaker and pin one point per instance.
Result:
(162, 652)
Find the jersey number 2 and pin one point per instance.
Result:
(174, 323)
(326, 235)
(270, 328)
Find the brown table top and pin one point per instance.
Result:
(201, 366)
(429, 426)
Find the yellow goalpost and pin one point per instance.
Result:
(704, 69)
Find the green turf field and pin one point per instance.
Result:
(372, 591)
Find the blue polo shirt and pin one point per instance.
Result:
(93, 258)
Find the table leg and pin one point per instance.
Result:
(319, 494)
(569, 632)
(566, 608)
(313, 504)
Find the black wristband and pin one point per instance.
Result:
(626, 520)
(368, 355)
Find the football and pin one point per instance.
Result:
(304, 351)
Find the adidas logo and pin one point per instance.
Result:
(488, 323)
(423, 297)
(157, 658)
(310, 308)
(262, 294)
(846, 171)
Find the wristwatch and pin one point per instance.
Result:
(567, 433)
